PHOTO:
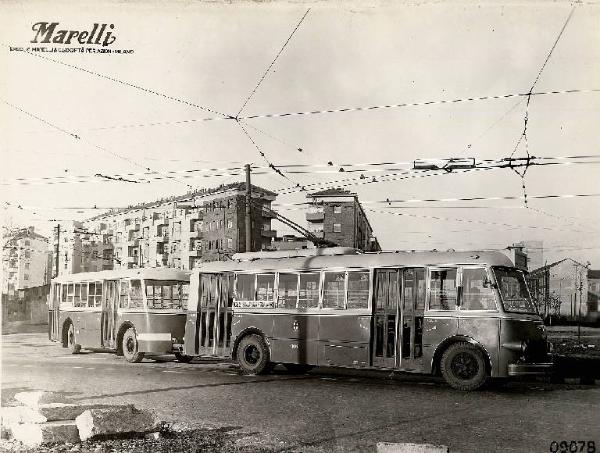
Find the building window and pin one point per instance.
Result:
(26, 276)
(26, 265)
(230, 224)
(229, 243)
(337, 227)
(337, 209)
(27, 254)
(27, 242)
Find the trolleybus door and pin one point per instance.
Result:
(412, 309)
(213, 322)
(385, 317)
(54, 313)
(110, 302)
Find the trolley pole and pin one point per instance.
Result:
(248, 210)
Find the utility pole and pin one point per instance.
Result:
(248, 210)
(57, 250)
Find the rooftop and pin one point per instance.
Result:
(334, 192)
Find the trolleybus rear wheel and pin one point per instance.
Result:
(463, 366)
(183, 358)
(253, 355)
(71, 341)
(130, 347)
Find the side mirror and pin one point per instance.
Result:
(487, 283)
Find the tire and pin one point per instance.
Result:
(463, 366)
(253, 355)
(130, 347)
(183, 358)
(72, 341)
(296, 368)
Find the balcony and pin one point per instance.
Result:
(196, 234)
(163, 238)
(195, 253)
(132, 260)
(268, 233)
(315, 216)
(268, 214)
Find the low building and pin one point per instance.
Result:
(291, 242)
(518, 256)
(336, 215)
(593, 294)
(561, 289)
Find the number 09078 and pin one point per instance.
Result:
(573, 446)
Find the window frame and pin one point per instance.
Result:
(458, 284)
(487, 270)
(322, 292)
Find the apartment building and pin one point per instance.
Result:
(178, 232)
(336, 215)
(25, 259)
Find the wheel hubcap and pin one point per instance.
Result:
(464, 366)
(130, 345)
(252, 355)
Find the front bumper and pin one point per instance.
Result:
(530, 369)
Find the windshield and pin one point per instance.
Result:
(513, 290)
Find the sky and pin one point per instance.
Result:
(116, 114)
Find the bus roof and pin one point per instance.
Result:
(366, 260)
(151, 274)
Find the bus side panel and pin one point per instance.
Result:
(190, 334)
(344, 340)
(485, 331)
(295, 338)
(438, 326)
(260, 322)
(155, 331)
(89, 328)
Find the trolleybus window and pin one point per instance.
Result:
(77, 301)
(84, 293)
(265, 287)
(358, 289)
(70, 292)
(513, 289)
(135, 294)
(95, 294)
(63, 294)
(123, 299)
(443, 290)
(477, 292)
(334, 289)
(287, 291)
(245, 287)
(166, 294)
(308, 295)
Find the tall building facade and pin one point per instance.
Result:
(178, 232)
(25, 256)
(337, 216)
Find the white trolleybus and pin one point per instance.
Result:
(135, 312)
(467, 316)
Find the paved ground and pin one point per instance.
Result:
(320, 411)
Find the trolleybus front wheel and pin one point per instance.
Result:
(130, 347)
(463, 366)
(71, 342)
(253, 355)
(183, 358)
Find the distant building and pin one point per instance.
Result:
(336, 215)
(593, 293)
(561, 288)
(24, 261)
(518, 256)
(178, 232)
(291, 242)
(535, 253)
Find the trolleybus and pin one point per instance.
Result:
(135, 312)
(467, 316)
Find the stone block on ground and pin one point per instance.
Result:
(62, 411)
(35, 399)
(20, 414)
(36, 434)
(115, 420)
(385, 447)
